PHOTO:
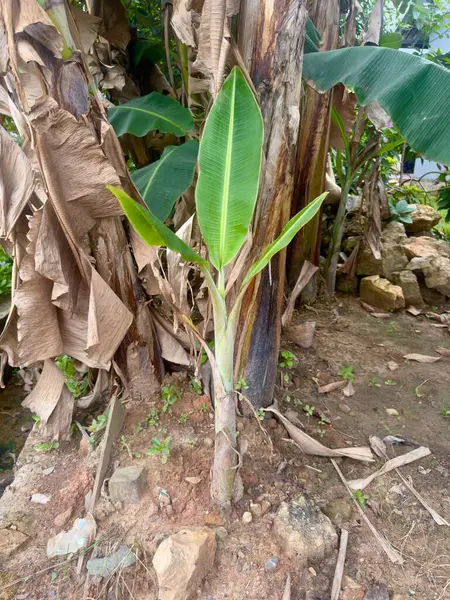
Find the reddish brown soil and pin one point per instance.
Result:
(346, 335)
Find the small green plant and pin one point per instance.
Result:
(46, 446)
(97, 427)
(286, 378)
(241, 384)
(169, 395)
(77, 383)
(6, 265)
(161, 448)
(192, 443)
(36, 419)
(320, 427)
(195, 386)
(401, 211)
(445, 412)
(204, 408)
(125, 445)
(260, 414)
(392, 327)
(309, 410)
(286, 359)
(139, 428)
(360, 498)
(417, 392)
(152, 417)
(390, 382)
(347, 373)
(373, 382)
(183, 419)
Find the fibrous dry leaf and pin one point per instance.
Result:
(307, 271)
(349, 390)
(377, 446)
(422, 358)
(287, 588)
(413, 311)
(182, 22)
(178, 270)
(171, 349)
(330, 387)
(392, 365)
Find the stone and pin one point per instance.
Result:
(378, 591)
(424, 218)
(247, 518)
(349, 243)
(392, 412)
(351, 590)
(393, 233)
(421, 247)
(63, 518)
(306, 534)
(126, 484)
(256, 509)
(10, 541)
(393, 258)
(193, 480)
(339, 511)
(345, 408)
(106, 566)
(265, 506)
(40, 498)
(182, 561)
(354, 204)
(272, 563)
(410, 286)
(381, 293)
(208, 442)
(419, 263)
(437, 275)
(356, 226)
(432, 297)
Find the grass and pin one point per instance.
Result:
(161, 448)
(347, 373)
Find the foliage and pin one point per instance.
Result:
(183, 419)
(195, 386)
(152, 417)
(161, 448)
(260, 414)
(390, 382)
(204, 408)
(445, 412)
(347, 374)
(169, 395)
(401, 211)
(241, 384)
(287, 359)
(77, 383)
(6, 264)
(46, 446)
(373, 382)
(360, 498)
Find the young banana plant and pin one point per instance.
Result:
(226, 192)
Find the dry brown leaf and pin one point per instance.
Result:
(45, 396)
(182, 22)
(378, 315)
(374, 507)
(413, 311)
(238, 265)
(115, 27)
(302, 335)
(171, 349)
(330, 387)
(339, 570)
(287, 588)
(4, 54)
(367, 307)
(311, 446)
(349, 390)
(443, 351)
(88, 27)
(373, 31)
(31, 18)
(344, 102)
(178, 270)
(101, 386)
(17, 182)
(378, 446)
(390, 465)
(307, 271)
(422, 358)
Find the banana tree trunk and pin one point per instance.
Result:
(313, 150)
(270, 38)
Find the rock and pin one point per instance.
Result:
(302, 334)
(339, 511)
(256, 509)
(247, 518)
(393, 233)
(432, 297)
(422, 247)
(126, 484)
(392, 365)
(410, 286)
(265, 506)
(221, 533)
(424, 218)
(193, 480)
(271, 423)
(378, 591)
(437, 275)
(208, 442)
(351, 590)
(393, 258)
(392, 412)
(182, 561)
(10, 541)
(80, 536)
(354, 204)
(356, 226)
(419, 263)
(345, 408)
(381, 293)
(272, 563)
(104, 567)
(63, 518)
(307, 535)
(349, 244)
(40, 498)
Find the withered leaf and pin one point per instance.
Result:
(422, 358)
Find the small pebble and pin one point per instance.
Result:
(272, 563)
(392, 412)
(312, 571)
(40, 498)
(208, 442)
(345, 408)
(265, 506)
(247, 518)
(193, 480)
(256, 509)
(48, 471)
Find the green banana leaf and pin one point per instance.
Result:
(312, 37)
(412, 90)
(155, 111)
(291, 228)
(151, 229)
(229, 167)
(162, 183)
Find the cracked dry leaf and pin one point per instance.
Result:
(182, 22)
(88, 27)
(422, 358)
(178, 269)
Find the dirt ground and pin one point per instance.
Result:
(346, 335)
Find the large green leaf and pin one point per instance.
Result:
(162, 182)
(412, 90)
(229, 166)
(312, 37)
(290, 229)
(151, 229)
(155, 111)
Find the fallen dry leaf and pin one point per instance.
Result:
(374, 507)
(392, 366)
(367, 307)
(287, 589)
(413, 311)
(377, 446)
(330, 387)
(302, 335)
(422, 358)
(379, 315)
(349, 390)
(307, 271)
(443, 351)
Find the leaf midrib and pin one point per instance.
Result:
(154, 114)
(227, 176)
(161, 161)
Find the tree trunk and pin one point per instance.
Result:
(270, 37)
(313, 150)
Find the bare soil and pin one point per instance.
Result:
(346, 335)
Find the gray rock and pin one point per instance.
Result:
(410, 286)
(307, 535)
(393, 233)
(357, 225)
(354, 204)
(437, 274)
(425, 246)
(379, 591)
(104, 567)
(381, 293)
(10, 541)
(182, 561)
(126, 484)
(339, 511)
(424, 218)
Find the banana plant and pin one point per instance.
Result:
(228, 177)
